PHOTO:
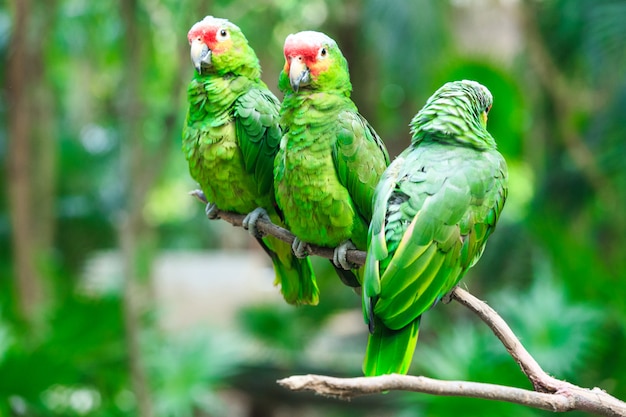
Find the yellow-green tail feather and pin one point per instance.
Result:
(297, 281)
(294, 275)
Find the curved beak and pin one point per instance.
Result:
(200, 55)
(299, 73)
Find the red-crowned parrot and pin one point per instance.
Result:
(230, 138)
(330, 158)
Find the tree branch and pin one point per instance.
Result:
(355, 256)
(594, 401)
(538, 377)
(346, 388)
(549, 393)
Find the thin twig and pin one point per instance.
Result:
(538, 377)
(549, 393)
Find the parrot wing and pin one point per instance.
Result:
(259, 134)
(443, 207)
(360, 158)
(378, 249)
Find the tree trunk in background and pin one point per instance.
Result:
(131, 228)
(45, 135)
(28, 285)
(142, 163)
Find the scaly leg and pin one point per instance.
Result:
(211, 211)
(250, 221)
(340, 255)
(299, 248)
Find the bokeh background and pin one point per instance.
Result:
(119, 298)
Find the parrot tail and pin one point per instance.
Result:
(294, 275)
(390, 351)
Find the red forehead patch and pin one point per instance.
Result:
(206, 29)
(305, 44)
(207, 33)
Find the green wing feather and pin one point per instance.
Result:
(436, 207)
(360, 158)
(377, 248)
(258, 134)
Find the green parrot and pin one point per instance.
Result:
(230, 138)
(434, 208)
(330, 158)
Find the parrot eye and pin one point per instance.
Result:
(222, 35)
(322, 53)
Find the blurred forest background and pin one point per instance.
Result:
(119, 298)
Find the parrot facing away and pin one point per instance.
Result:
(230, 138)
(434, 208)
(330, 158)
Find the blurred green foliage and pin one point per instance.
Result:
(555, 268)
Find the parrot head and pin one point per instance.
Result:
(314, 61)
(219, 46)
(457, 110)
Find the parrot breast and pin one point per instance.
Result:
(317, 208)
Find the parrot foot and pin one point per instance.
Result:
(340, 255)
(447, 297)
(199, 195)
(250, 221)
(300, 248)
(211, 211)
